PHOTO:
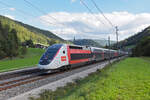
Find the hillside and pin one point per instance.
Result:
(26, 32)
(103, 42)
(87, 42)
(133, 40)
(92, 42)
(44, 32)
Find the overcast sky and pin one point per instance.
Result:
(69, 18)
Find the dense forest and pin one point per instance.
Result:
(139, 43)
(133, 40)
(10, 45)
(27, 32)
(142, 48)
(15, 36)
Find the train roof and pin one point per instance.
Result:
(104, 49)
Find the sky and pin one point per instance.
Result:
(70, 18)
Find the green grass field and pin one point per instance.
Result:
(146, 58)
(127, 80)
(30, 59)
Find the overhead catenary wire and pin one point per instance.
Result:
(43, 12)
(114, 27)
(102, 13)
(25, 13)
(91, 11)
(111, 24)
(33, 15)
(38, 9)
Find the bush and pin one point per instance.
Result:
(2, 54)
(9, 43)
(142, 48)
(23, 50)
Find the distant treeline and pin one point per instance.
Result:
(142, 48)
(10, 45)
(87, 42)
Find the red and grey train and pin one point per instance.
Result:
(59, 56)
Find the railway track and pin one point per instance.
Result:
(25, 80)
(11, 82)
(17, 82)
(10, 75)
(18, 85)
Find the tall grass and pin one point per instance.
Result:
(127, 80)
(30, 59)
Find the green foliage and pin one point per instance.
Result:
(133, 40)
(23, 50)
(27, 32)
(40, 31)
(9, 43)
(142, 48)
(52, 41)
(29, 43)
(127, 80)
(31, 58)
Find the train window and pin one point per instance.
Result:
(63, 52)
(49, 54)
(75, 47)
(80, 56)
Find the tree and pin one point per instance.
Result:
(29, 43)
(51, 42)
(9, 42)
(142, 48)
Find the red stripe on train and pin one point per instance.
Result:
(102, 55)
(79, 51)
(78, 61)
(68, 51)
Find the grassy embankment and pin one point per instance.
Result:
(146, 58)
(30, 59)
(127, 80)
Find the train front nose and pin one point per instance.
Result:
(48, 57)
(45, 61)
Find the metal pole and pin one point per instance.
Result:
(117, 36)
(117, 41)
(109, 48)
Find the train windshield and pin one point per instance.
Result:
(49, 54)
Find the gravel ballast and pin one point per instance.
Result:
(33, 89)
